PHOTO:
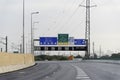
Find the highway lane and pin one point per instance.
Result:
(88, 71)
(55, 70)
(66, 70)
(101, 71)
(36, 72)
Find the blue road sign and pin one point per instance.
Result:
(48, 40)
(79, 42)
(71, 40)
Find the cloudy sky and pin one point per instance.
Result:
(62, 16)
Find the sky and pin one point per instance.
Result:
(61, 16)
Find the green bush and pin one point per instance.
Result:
(47, 57)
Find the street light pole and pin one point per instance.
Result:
(23, 27)
(32, 42)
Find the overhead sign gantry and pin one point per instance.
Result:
(61, 43)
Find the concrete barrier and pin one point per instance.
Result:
(11, 62)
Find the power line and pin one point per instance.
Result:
(61, 19)
(58, 18)
(69, 17)
(67, 21)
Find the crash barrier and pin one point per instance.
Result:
(11, 62)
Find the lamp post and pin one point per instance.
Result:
(32, 43)
(23, 27)
(33, 34)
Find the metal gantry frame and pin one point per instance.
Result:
(60, 47)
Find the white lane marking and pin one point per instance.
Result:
(47, 77)
(54, 72)
(81, 75)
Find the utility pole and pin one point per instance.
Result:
(87, 31)
(87, 28)
(93, 48)
(100, 53)
(6, 44)
(20, 48)
(94, 54)
(26, 48)
(1, 49)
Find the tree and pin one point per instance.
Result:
(115, 55)
(78, 56)
(105, 57)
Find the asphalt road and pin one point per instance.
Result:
(72, 70)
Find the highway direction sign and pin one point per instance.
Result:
(79, 42)
(71, 41)
(48, 40)
(63, 39)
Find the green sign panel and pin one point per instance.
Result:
(63, 39)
